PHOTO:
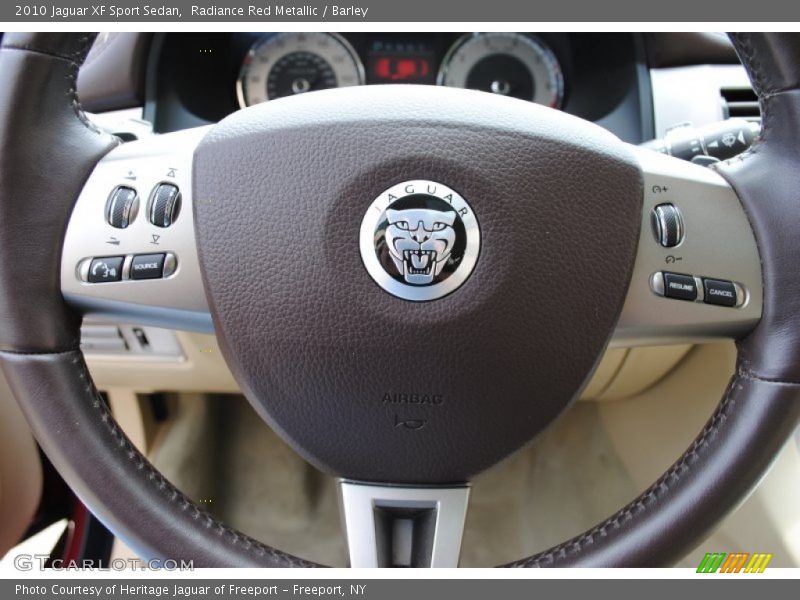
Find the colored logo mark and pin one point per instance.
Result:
(737, 562)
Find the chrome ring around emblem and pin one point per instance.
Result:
(419, 240)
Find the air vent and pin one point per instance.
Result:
(740, 102)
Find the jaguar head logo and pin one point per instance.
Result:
(420, 241)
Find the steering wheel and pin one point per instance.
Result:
(408, 282)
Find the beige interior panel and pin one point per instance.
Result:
(202, 369)
(20, 471)
(655, 427)
(605, 373)
(642, 368)
(188, 444)
(621, 372)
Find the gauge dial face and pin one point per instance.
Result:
(509, 64)
(286, 64)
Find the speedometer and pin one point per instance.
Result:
(509, 64)
(285, 64)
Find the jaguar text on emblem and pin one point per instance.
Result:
(419, 240)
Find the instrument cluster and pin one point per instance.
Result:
(201, 77)
(519, 65)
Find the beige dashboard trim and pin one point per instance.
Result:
(621, 373)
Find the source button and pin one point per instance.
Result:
(147, 266)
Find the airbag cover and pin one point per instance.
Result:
(373, 387)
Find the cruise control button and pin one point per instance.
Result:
(668, 225)
(717, 291)
(679, 286)
(102, 270)
(147, 266)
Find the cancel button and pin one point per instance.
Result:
(717, 291)
(147, 266)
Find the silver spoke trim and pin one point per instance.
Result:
(403, 526)
(177, 299)
(718, 243)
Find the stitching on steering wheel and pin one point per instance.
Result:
(766, 93)
(747, 54)
(50, 53)
(74, 61)
(38, 353)
(749, 375)
(650, 496)
(86, 42)
(165, 488)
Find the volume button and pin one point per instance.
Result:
(165, 204)
(122, 206)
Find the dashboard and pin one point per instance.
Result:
(199, 78)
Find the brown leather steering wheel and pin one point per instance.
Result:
(282, 332)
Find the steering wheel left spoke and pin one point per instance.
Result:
(130, 253)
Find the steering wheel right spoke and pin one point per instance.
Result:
(697, 274)
(129, 250)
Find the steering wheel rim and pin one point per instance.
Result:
(39, 337)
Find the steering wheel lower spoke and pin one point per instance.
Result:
(403, 526)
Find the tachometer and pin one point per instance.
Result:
(285, 64)
(510, 64)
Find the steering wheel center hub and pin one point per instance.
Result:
(291, 205)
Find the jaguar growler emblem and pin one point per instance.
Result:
(419, 240)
